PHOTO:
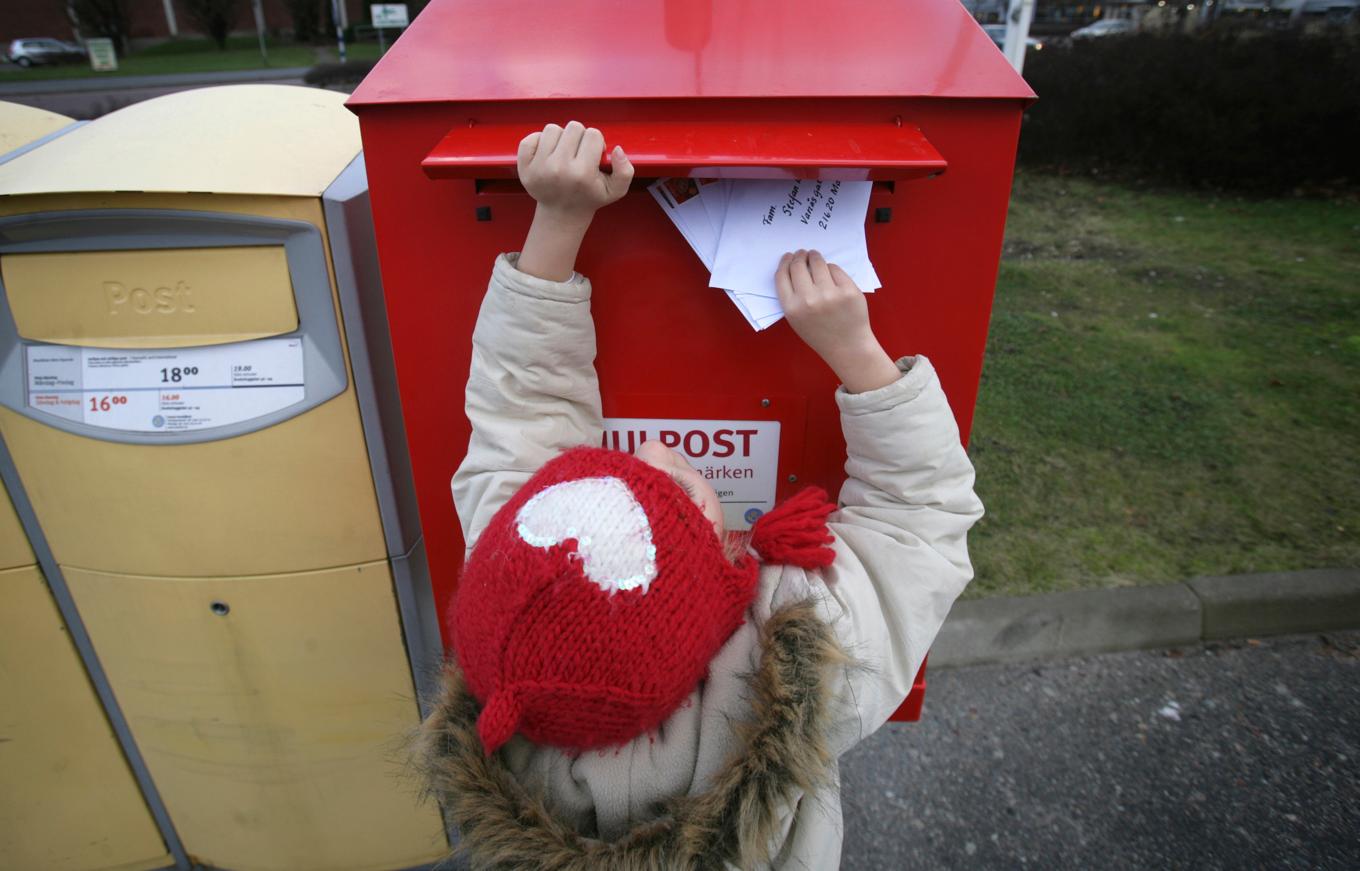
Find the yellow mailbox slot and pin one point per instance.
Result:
(68, 799)
(194, 392)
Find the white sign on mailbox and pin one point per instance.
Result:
(166, 391)
(389, 14)
(740, 458)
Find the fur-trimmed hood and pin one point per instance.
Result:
(784, 754)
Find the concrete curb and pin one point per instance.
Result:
(1058, 625)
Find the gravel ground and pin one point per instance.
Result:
(1231, 755)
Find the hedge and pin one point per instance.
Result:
(350, 73)
(1266, 112)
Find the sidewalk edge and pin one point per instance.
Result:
(1055, 625)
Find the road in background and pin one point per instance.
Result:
(1231, 755)
(88, 98)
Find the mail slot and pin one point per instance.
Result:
(195, 405)
(911, 96)
(135, 296)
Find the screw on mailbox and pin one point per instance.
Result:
(882, 215)
(764, 403)
(793, 479)
(483, 213)
(221, 609)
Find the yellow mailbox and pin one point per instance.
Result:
(199, 409)
(23, 128)
(68, 798)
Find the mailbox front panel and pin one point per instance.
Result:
(289, 490)
(231, 571)
(269, 711)
(669, 344)
(68, 801)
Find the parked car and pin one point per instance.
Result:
(28, 52)
(998, 34)
(1105, 27)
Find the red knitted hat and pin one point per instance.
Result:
(594, 600)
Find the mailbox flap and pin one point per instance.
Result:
(720, 149)
(157, 298)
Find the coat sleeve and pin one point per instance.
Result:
(532, 390)
(901, 541)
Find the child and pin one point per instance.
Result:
(634, 687)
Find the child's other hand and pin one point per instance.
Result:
(560, 168)
(828, 311)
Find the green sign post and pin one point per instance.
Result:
(102, 56)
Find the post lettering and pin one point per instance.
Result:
(115, 294)
(160, 300)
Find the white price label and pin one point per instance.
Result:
(740, 458)
(172, 390)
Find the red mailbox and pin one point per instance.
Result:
(913, 96)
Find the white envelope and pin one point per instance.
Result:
(713, 193)
(756, 310)
(679, 199)
(764, 219)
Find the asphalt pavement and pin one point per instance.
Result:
(1218, 755)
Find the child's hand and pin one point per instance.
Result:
(828, 312)
(560, 168)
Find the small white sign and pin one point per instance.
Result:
(740, 458)
(389, 14)
(172, 390)
(103, 59)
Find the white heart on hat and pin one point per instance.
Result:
(613, 537)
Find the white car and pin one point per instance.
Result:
(997, 32)
(28, 52)
(1105, 27)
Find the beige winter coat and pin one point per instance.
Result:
(753, 791)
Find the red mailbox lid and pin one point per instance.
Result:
(473, 50)
(855, 151)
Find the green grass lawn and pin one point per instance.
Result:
(1172, 388)
(363, 50)
(180, 56)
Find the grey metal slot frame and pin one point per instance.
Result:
(349, 224)
(143, 229)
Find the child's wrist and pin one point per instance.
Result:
(554, 238)
(563, 219)
(863, 366)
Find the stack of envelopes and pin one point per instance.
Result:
(741, 227)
